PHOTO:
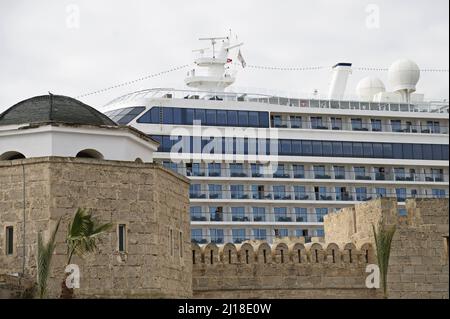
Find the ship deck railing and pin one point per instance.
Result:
(314, 102)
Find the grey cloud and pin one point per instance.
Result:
(122, 40)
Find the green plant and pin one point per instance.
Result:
(383, 240)
(82, 235)
(45, 254)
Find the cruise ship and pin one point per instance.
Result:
(263, 166)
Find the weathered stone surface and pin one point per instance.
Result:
(335, 268)
(149, 199)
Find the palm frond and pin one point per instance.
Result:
(45, 253)
(82, 234)
(383, 241)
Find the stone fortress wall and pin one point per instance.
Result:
(336, 267)
(160, 262)
(150, 200)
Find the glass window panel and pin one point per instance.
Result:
(232, 118)
(264, 119)
(387, 150)
(211, 117)
(221, 118)
(243, 118)
(377, 150)
(200, 115)
(177, 116)
(317, 148)
(253, 119)
(167, 115)
(357, 150)
(189, 116)
(347, 149)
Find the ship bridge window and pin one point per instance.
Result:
(125, 115)
(209, 117)
(243, 118)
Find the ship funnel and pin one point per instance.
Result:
(339, 78)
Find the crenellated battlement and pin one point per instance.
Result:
(334, 266)
(258, 252)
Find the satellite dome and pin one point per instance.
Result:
(368, 87)
(403, 75)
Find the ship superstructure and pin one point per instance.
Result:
(264, 166)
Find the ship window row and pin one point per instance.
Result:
(310, 193)
(366, 124)
(239, 235)
(209, 117)
(287, 147)
(310, 171)
(257, 214)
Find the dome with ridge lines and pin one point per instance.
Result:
(53, 109)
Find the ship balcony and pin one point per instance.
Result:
(311, 175)
(310, 196)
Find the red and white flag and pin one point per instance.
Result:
(241, 59)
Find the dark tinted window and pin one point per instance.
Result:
(232, 118)
(367, 150)
(317, 148)
(347, 148)
(297, 147)
(377, 150)
(167, 115)
(437, 151)
(387, 150)
(357, 150)
(445, 152)
(408, 151)
(337, 149)
(211, 117)
(200, 115)
(427, 151)
(285, 147)
(326, 149)
(125, 115)
(243, 118)
(189, 116)
(263, 119)
(222, 118)
(417, 151)
(177, 116)
(253, 120)
(183, 116)
(397, 151)
(307, 148)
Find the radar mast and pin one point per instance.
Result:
(212, 71)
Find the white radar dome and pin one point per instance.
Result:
(403, 75)
(368, 87)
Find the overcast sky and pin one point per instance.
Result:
(45, 47)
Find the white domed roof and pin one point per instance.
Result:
(403, 75)
(368, 87)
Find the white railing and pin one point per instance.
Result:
(309, 102)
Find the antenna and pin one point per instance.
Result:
(213, 42)
(202, 50)
(234, 46)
